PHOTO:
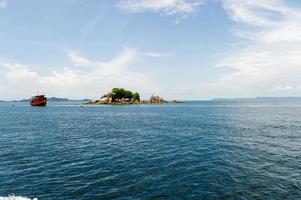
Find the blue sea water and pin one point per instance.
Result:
(196, 150)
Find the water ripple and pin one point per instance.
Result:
(197, 150)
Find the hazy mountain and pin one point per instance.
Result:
(257, 98)
(51, 99)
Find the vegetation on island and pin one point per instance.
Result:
(118, 96)
(119, 93)
(123, 96)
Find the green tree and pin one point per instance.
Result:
(136, 96)
(119, 93)
(127, 94)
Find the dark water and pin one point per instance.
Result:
(196, 150)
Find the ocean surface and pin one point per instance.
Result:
(196, 150)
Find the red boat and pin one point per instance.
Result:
(39, 100)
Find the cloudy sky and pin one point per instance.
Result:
(180, 49)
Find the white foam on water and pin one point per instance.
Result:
(13, 197)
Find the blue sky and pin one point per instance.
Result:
(180, 49)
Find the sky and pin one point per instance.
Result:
(178, 49)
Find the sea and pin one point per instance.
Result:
(224, 149)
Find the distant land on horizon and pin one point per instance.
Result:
(256, 98)
(214, 99)
(49, 99)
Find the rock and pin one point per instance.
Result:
(177, 101)
(121, 96)
(157, 99)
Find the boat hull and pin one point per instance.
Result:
(38, 104)
(39, 100)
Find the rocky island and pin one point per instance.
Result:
(122, 96)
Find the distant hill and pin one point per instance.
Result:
(257, 98)
(58, 99)
(51, 99)
(278, 98)
(83, 100)
(65, 99)
(232, 99)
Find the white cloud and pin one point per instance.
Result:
(282, 87)
(256, 12)
(117, 65)
(3, 3)
(168, 7)
(268, 54)
(156, 55)
(269, 63)
(76, 59)
(19, 81)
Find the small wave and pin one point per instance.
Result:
(13, 197)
